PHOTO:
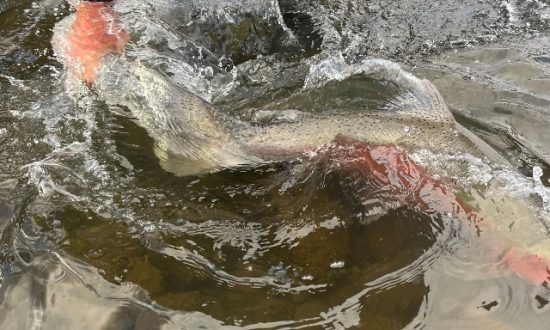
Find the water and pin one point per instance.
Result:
(96, 234)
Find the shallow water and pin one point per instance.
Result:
(97, 235)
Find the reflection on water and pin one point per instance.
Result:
(96, 235)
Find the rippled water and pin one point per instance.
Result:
(96, 234)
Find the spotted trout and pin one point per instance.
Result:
(193, 137)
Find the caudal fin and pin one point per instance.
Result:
(415, 97)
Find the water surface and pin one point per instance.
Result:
(97, 235)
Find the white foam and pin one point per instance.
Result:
(471, 171)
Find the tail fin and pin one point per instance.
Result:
(416, 97)
(422, 101)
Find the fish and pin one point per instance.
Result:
(193, 137)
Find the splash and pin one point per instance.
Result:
(469, 171)
(242, 234)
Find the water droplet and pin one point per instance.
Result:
(307, 278)
(337, 264)
(149, 228)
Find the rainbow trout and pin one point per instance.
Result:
(193, 137)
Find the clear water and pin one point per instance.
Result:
(97, 235)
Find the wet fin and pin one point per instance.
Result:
(423, 101)
(417, 98)
(183, 166)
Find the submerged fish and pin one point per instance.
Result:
(193, 137)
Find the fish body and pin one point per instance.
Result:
(416, 118)
(194, 137)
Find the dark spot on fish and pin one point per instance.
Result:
(542, 302)
(488, 306)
